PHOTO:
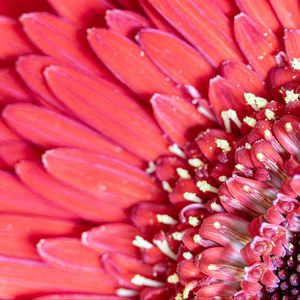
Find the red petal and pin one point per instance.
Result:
(14, 42)
(16, 198)
(243, 78)
(81, 204)
(6, 134)
(197, 22)
(28, 278)
(47, 31)
(127, 23)
(249, 32)
(176, 58)
(109, 109)
(262, 13)
(112, 238)
(12, 152)
(288, 12)
(179, 119)
(84, 12)
(102, 176)
(291, 43)
(129, 63)
(49, 130)
(129, 4)
(12, 89)
(69, 253)
(156, 18)
(30, 68)
(227, 6)
(80, 297)
(223, 291)
(21, 233)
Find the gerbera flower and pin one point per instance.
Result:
(150, 149)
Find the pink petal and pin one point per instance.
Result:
(262, 13)
(6, 134)
(81, 204)
(291, 43)
(12, 89)
(14, 42)
(127, 23)
(32, 122)
(129, 63)
(12, 152)
(216, 290)
(249, 32)
(79, 296)
(227, 6)
(30, 69)
(176, 58)
(21, 277)
(97, 175)
(243, 78)
(84, 12)
(100, 239)
(196, 22)
(179, 119)
(288, 12)
(47, 31)
(21, 233)
(16, 198)
(108, 108)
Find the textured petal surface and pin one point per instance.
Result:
(108, 108)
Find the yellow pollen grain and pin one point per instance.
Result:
(175, 149)
(216, 207)
(213, 267)
(260, 156)
(222, 178)
(250, 121)
(166, 219)
(177, 235)
(240, 167)
(288, 126)
(295, 63)
(194, 221)
(270, 115)
(166, 186)
(197, 238)
(187, 255)
(179, 297)
(183, 173)
(257, 103)
(291, 96)
(217, 225)
(192, 197)
(173, 279)
(204, 187)
(223, 145)
(196, 162)
(268, 133)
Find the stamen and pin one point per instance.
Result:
(177, 235)
(166, 219)
(295, 62)
(141, 243)
(204, 187)
(288, 126)
(194, 221)
(187, 255)
(197, 238)
(183, 173)
(270, 115)
(291, 96)
(222, 178)
(140, 280)
(192, 197)
(173, 279)
(126, 293)
(257, 103)
(250, 121)
(166, 186)
(151, 167)
(228, 115)
(176, 150)
(196, 162)
(223, 145)
(164, 247)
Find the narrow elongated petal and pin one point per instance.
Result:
(192, 20)
(33, 123)
(109, 109)
(12, 152)
(249, 32)
(129, 63)
(102, 176)
(47, 31)
(80, 296)
(176, 58)
(69, 253)
(16, 198)
(23, 232)
(14, 42)
(263, 13)
(30, 69)
(17, 276)
(81, 204)
(216, 290)
(12, 89)
(243, 78)
(125, 22)
(288, 12)
(6, 134)
(99, 239)
(227, 6)
(83, 12)
(291, 43)
(179, 119)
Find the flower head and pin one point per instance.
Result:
(150, 150)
